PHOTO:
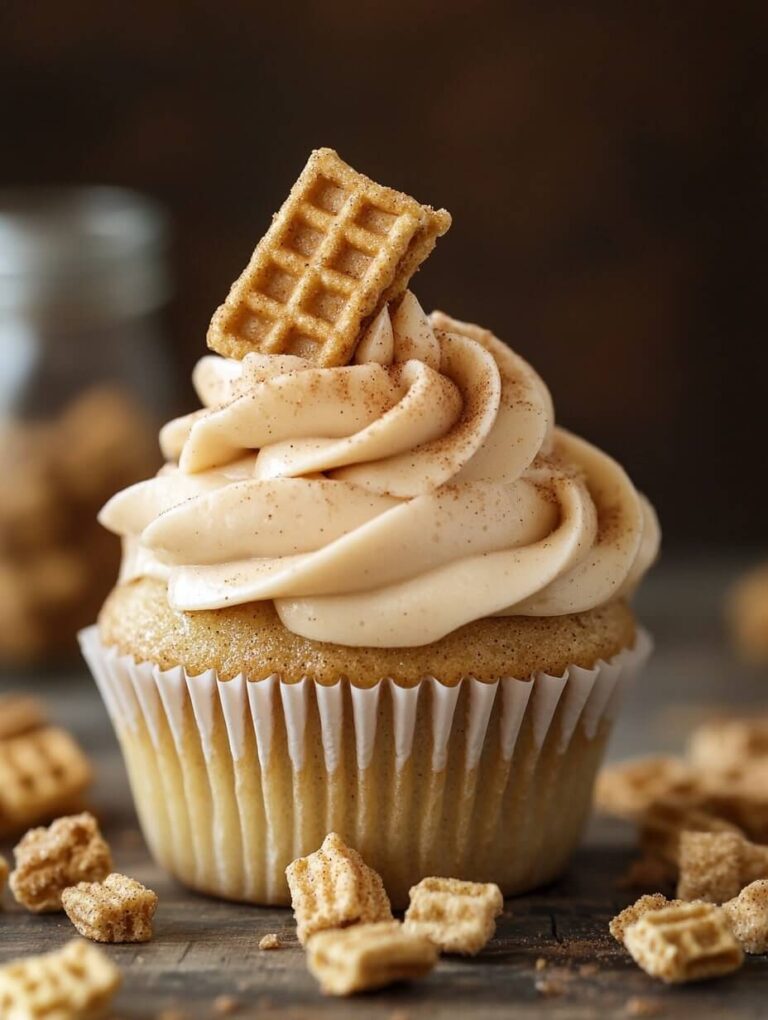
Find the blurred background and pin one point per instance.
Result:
(605, 165)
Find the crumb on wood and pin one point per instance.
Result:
(270, 941)
(642, 1006)
(541, 963)
(225, 1005)
(550, 988)
(589, 970)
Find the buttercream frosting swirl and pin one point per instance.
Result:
(386, 502)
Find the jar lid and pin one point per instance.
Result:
(94, 249)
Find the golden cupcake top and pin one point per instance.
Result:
(389, 498)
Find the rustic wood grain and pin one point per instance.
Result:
(203, 948)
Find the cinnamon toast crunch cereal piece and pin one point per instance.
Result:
(725, 743)
(633, 913)
(42, 774)
(687, 942)
(710, 866)
(748, 914)
(663, 823)
(119, 909)
(338, 250)
(459, 917)
(740, 794)
(335, 888)
(20, 713)
(48, 861)
(76, 982)
(629, 788)
(368, 956)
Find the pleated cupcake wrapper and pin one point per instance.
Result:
(135, 691)
(258, 744)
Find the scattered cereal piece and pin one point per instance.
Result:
(710, 866)
(662, 824)
(748, 914)
(629, 788)
(225, 1005)
(42, 774)
(641, 1006)
(270, 941)
(754, 862)
(69, 851)
(633, 913)
(686, 942)
(740, 795)
(541, 963)
(73, 982)
(366, 956)
(119, 909)
(334, 888)
(725, 743)
(20, 713)
(459, 917)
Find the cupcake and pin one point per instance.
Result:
(374, 590)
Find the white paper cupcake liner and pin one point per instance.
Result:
(265, 741)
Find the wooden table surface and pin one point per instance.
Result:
(203, 948)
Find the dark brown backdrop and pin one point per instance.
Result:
(604, 162)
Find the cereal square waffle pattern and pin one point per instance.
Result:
(339, 248)
(333, 888)
(72, 983)
(42, 773)
(459, 917)
(49, 860)
(368, 956)
(688, 942)
(119, 909)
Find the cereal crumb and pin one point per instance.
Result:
(684, 942)
(641, 1006)
(119, 909)
(48, 861)
(335, 888)
(349, 960)
(549, 988)
(270, 941)
(459, 917)
(225, 1005)
(748, 915)
(541, 963)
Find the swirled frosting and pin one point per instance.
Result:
(386, 502)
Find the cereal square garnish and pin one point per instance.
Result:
(334, 888)
(748, 914)
(629, 788)
(686, 942)
(459, 917)
(710, 866)
(20, 713)
(42, 774)
(69, 851)
(338, 250)
(119, 909)
(633, 913)
(72, 983)
(664, 822)
(367, 956)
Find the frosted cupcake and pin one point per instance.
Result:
(388, 599)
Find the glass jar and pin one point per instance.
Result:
(83, 383)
